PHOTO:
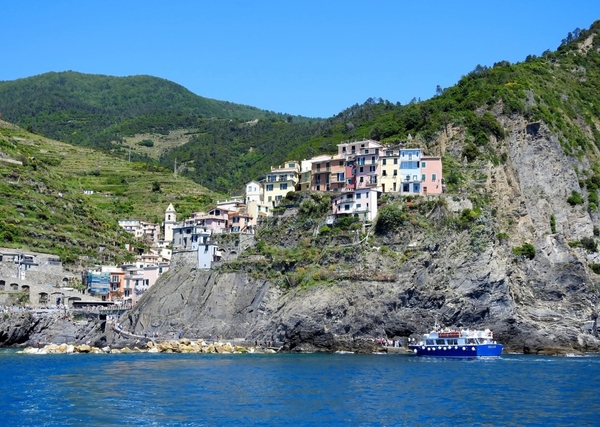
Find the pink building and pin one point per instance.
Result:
(216, 219)
(431, 175)
(328, 173)
(362, 163)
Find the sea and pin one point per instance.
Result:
(296, 390)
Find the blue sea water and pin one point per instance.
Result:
(298, 390)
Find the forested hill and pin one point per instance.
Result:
(95, 110)
(560, 88)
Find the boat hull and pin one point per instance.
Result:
(466, 351)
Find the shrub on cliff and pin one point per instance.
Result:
(527, 250)
(575, 198)
(389, 219)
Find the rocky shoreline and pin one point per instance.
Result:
(63, 335)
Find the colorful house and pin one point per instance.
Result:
(328, 173)
(431, 175)
(362, 163)
(280, 181)
(360, 204)
(389, 167)
(410, 171)
(254, 192)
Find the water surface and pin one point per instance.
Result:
(206, 390)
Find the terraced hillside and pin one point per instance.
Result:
(44, 206)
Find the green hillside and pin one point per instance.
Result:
(560, 88)
(97, 110)
(44, 207)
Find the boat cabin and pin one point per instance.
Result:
(458, 338)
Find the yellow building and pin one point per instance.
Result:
(389, 165)
(280, 181)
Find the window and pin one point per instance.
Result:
(341, 163)
(291, 165)
(362, 179)
(283, 186)
(433, 177)
(346, 207)
(423, 165)
(409, 165)
(405, 188)
(395, 172)
(384, 173)
(269, 187)
(423, 177)
(367, 151)
(278, 198)
(361, 169)
(395, 161)
(372, 168)
(394, 186)
(383, 162)
(358, 206)
(358, 195)
(373, 160)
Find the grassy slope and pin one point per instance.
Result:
(43, 206)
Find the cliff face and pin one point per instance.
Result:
(30, 328)
(463, 277)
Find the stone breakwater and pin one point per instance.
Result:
(173, 346)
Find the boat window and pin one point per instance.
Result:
(471, 341)
(429, 342)
(453, 341)
(440, 342)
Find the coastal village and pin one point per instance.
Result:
(357, 175)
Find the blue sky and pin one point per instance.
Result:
(310, 58)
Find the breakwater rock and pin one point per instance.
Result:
(171, 346)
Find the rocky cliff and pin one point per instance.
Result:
(439, 264)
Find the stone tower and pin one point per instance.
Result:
(170, 220)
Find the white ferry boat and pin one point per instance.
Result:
(465, 343)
